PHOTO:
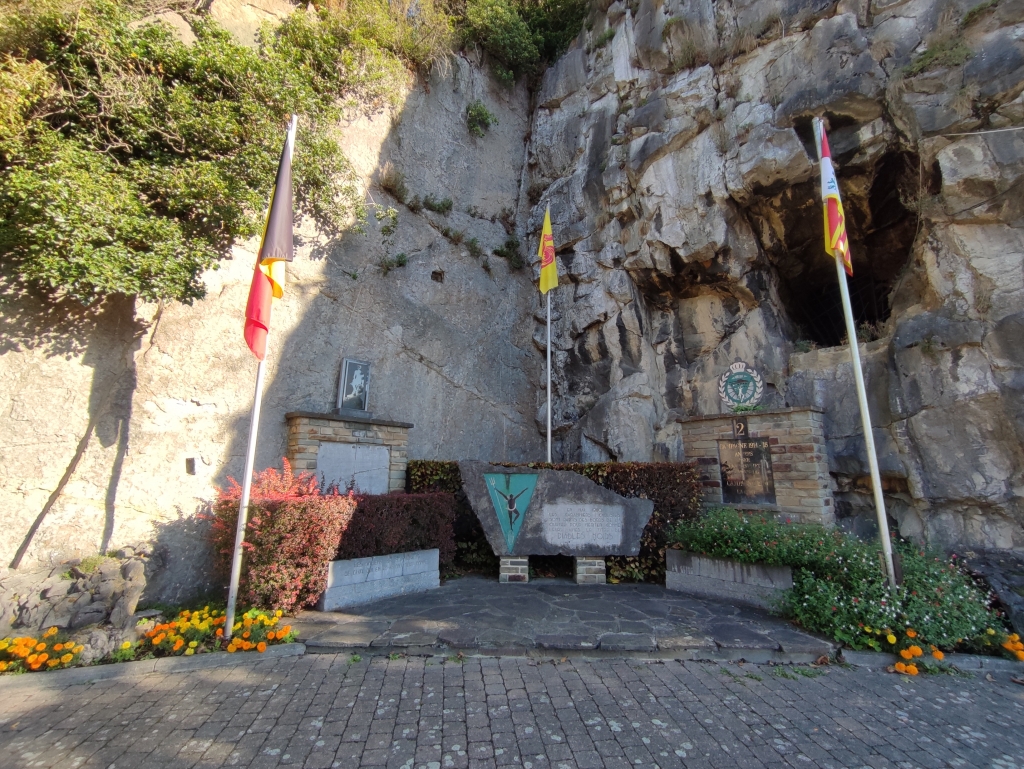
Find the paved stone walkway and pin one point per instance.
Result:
(321, 711)
(481, 614)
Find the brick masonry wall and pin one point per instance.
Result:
(803, 486)
(307, 431)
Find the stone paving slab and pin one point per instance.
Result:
(331, 711)
(474, 613)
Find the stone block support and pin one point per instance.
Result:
(514, 569)
(589, 570)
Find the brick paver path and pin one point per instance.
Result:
(324, 711)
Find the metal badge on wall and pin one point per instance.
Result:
(740, 386)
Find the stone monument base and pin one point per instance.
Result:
(589, 570)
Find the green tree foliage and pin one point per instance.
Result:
(132, 162)
(521, 34)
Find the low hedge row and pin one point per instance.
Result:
(840, 587)
(673, 487)
(295, 528)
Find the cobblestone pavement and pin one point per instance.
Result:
(328, 711)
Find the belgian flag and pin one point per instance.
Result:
(276, 249)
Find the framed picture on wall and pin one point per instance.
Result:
(354, 389)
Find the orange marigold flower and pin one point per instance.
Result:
(231, 648)
(906, 654)
(1019, 655)
(53, 663)
(938, 655)
(3, 667)
(43, 657)
(40, 647)
(58, 647)
(270, 636)
(911, 633)
(35, 666)
(916, 651)
(246, 634)
(220, 632)
(912, 670)
(31, 659)
(261, 647)
(284, 631)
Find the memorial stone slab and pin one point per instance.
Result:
(552, 512)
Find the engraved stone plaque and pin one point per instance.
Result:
(746, 466)
(574, 525)
(533, 511)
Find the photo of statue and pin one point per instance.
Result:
(354, 388)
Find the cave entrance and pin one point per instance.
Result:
(880, 206)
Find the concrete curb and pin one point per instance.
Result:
(864, 659)
(93, 673)
(753, 656)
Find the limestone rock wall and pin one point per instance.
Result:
(678, 162)
(122, 420)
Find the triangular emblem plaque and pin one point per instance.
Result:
(510, 494)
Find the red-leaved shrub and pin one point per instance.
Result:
(401, 523)
(292, 533)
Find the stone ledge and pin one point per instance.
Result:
(339, 418)
(165, 665)
(863, 659)
(749, 414)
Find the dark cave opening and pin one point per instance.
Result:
(882, 221)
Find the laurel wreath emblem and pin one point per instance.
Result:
(739, 371)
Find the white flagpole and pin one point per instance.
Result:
(243, 504)
(862, 400)
(250, 455)
(548, 295)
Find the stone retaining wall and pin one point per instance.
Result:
(803, 486)
(360, 580)
(723, 578)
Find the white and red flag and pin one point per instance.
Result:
(836, 243)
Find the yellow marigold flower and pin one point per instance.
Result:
(193, 644)
(900, 667)
(938, 655)
(891, 638)
(906, 654)
(278, 613)
(1014, 637)
(189, 652)
(912, 670)
(52, 663)
(990, 631)
(126, 645)
(51, 632)
(67, 658)
(867, 628)
(78, 649)
(911, 633)
(4, 644)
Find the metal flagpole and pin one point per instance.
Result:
(862, 400)
(243, 504)
(548, 295)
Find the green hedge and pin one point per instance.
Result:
(839, 582)
(673, 487)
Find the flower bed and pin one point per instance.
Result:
(839, 587)
(50, 651)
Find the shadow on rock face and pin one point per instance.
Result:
(182, 569)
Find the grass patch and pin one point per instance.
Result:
(781, 672)
(509, 251)
(603, 39)
(393, 181)
(387, 264)
(977, 12)
(442, 206)
(474, 248)
(949, 54)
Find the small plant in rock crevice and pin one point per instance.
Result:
(509, 251)
(441, 206)
(479, 119)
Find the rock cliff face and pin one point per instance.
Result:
(674, 147)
